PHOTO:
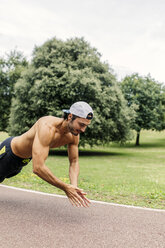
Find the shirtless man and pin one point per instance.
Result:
(49, 132)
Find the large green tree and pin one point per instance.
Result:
(147, 95)
(61, 73)
(11, 67)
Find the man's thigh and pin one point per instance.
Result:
(7, 163)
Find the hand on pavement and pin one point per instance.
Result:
(76, 196)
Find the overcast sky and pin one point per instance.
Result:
(130, 34)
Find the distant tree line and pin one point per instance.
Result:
(11, 67)
(63, 72)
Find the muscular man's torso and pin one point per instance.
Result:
(22, 145)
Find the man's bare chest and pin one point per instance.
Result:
(60, 140)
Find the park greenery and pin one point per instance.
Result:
(11, 67)
(148, 97)
(63, 72)
(125, 174)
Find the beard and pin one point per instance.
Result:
(72, 130)
(75, 134)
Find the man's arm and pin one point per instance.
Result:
(74, 169)
(74, 164)
(40, 152)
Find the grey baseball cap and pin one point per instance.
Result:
(80, 109)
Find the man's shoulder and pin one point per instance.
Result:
(48, 124)
(45, 128)
(49, 118)
(50, 121)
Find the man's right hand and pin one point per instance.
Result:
(76, 196)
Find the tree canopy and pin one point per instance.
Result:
(147, 95)
(61, 73)
(10, 70)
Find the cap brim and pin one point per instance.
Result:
(66, 111)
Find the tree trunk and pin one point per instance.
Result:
(138, 138)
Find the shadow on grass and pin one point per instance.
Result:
(153, 145)
(86, 153)
(157, 144)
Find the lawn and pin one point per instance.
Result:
(122, 174)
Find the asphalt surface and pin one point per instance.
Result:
(32, 220)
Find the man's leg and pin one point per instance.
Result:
(6, 160)
(14, 173)
(2, 179)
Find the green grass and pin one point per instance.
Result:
(3, 136)
(113, 173)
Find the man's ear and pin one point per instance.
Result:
(69, 117)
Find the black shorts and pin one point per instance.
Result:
(10, 164)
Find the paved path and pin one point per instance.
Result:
(32, 220)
